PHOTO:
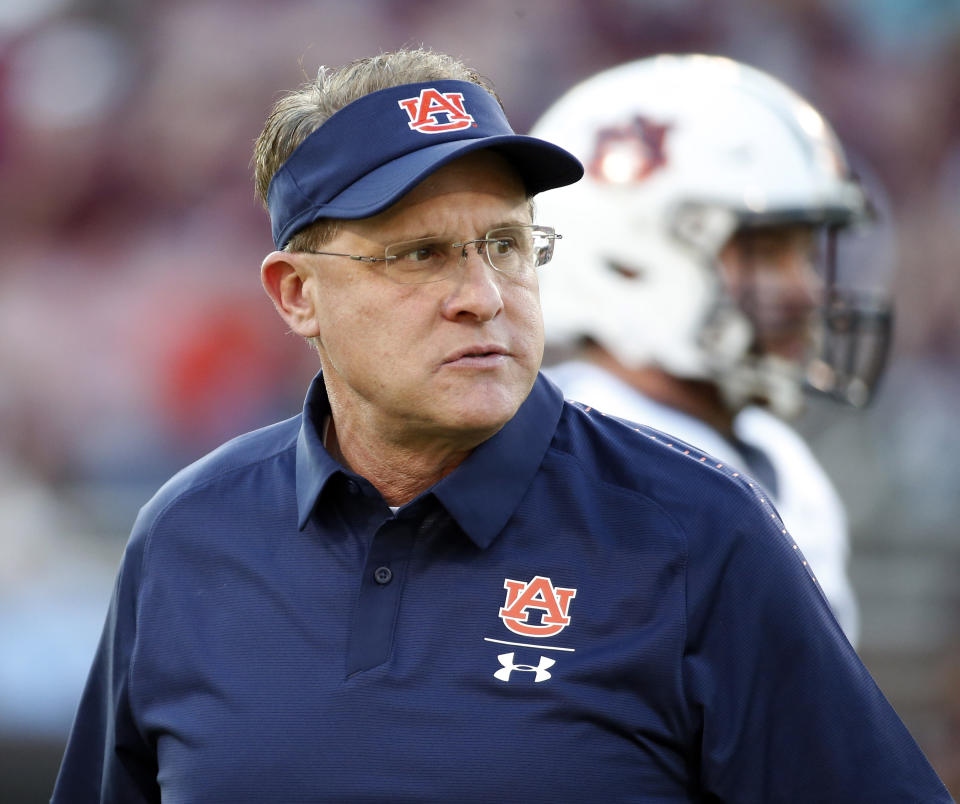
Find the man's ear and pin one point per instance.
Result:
(285, 280)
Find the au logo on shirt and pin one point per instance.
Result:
(541, 595)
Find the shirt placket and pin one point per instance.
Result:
(381, 588)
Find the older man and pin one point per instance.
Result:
(441, 582)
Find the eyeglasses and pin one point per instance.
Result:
(510, 250)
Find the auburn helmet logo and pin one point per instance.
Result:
(426, 110)
(630, 152)
(553, 603)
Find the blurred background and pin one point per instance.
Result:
(134, 335)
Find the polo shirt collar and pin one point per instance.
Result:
(314, 464)
(482, 493)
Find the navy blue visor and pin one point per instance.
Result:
(374, 150)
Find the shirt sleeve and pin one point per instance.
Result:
(107, 759)
(784, 709)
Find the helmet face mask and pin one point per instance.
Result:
(855, 331)
(684, 155)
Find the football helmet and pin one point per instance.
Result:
(682, 152)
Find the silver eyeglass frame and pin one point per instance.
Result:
(543, 231)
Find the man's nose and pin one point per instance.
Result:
(478, 246)
(475, 288)
(802, 278)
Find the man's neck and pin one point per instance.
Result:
(398, 472)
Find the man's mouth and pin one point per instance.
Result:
(477, 355)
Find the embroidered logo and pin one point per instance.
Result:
(506, 659)
(540, 593)
(430, 105)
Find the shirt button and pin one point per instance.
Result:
(383, 575)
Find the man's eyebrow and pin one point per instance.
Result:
(456, 238)
(512, 222)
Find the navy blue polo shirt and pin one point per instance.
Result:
(585, 610)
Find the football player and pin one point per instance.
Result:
(699, 290)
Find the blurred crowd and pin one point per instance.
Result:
(134, 335)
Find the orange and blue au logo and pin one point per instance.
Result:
(425, 112)
(553, 603)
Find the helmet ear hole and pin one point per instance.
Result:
(631, 272)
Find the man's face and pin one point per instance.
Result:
(771, 274)
(448, 360)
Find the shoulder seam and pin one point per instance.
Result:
(684, 559)
(197, 488)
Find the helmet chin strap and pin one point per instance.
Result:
(744, 377)
(768, 380)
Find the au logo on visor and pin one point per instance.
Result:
(435, 112)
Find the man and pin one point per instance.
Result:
(689, 288)
(441, 582)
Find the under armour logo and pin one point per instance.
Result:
(423, 111)
(541, 594)
(506, 659)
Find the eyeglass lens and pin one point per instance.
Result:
(510, 250)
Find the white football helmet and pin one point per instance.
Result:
(680, 152)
